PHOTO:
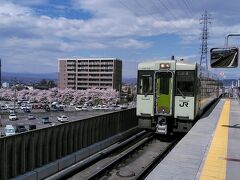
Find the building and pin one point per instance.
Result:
(84, 73)
(5, 85)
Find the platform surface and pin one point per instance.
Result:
(211, 150)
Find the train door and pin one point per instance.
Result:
(164, 86)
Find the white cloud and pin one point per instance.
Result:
(114, 24)
(10, 9)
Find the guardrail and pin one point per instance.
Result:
(24, 152)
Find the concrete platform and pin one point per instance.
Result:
(211, 150)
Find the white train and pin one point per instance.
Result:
(171, 94)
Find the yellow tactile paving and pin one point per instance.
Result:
(215, 165)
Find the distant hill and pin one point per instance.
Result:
(27, 77)
(228, 82)
(129, 80)
(32, 77)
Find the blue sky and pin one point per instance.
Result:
(35, 33)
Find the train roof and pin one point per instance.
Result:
(175, 64)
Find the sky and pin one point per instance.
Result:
(34, 34)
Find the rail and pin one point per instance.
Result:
(24, 152)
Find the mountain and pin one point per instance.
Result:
(27, 77)
(228, 82)
(126, 80)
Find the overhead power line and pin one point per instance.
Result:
(146, 10)
(188, 7)
(168, 9)
(129, 9)
(179, 4)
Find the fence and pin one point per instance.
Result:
(25, 152)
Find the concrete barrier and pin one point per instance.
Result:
(22, 153)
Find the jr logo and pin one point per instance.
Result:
(184, 104)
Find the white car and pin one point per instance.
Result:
(9, 130)
(78, 108)
(62, 118)
(124, 106)
(97, 107)
(12, 117)
(3, 107)
(11, 111)
(23, 107)
(84, 108)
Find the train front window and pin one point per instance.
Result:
(145, 83)
(185, 83)
(163, 81)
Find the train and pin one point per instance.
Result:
(171, 94)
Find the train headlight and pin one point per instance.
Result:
(165, 65)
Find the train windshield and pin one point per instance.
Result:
(163, 82)
(185, 83)
(145, 82)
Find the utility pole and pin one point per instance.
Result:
(204, 20)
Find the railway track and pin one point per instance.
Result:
(132, 158)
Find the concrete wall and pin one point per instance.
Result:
(27, 151)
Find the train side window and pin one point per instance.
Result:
(145, 82)
(185, 83)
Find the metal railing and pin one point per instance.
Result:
(24, 152)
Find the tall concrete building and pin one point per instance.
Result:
(84, 73)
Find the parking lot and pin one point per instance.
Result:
(39, 114)
(23, 118)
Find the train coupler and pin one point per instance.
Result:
(161, 127)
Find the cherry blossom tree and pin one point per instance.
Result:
(65, 96)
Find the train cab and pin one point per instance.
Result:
(171, 94)
(155, 94)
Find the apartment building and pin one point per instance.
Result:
(84, 73)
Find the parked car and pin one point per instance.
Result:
(60, 108)
(32, 127)
(97, 107)
(11, 107)
(9, 130)
(124, 106)
(12, 117)
(84, 108)
(78, 108)
(62, 118)
(27, 110)
(45, 120)
(20, 129)
(3, 107)
(31, 117)
(23, 106)
(29, 106)
(11, 111)
(47, 108)
(54, 104)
